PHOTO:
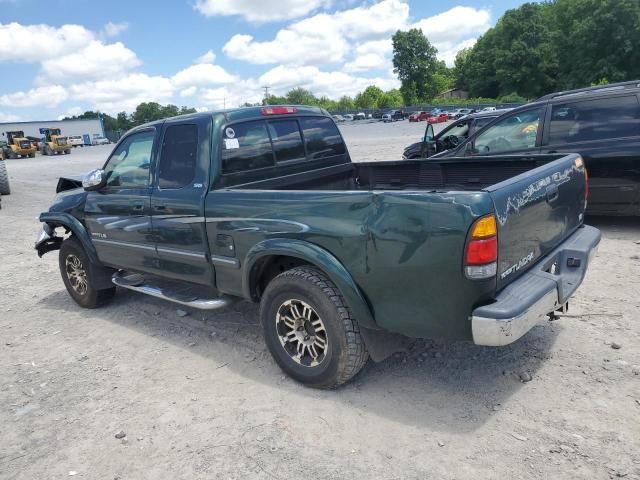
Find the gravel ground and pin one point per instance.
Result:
(198, 396)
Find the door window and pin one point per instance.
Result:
(321, 137)
(246, 146)
(286, 139)
(516, 132)
(179, 156)
(128, 166)
(601, 119)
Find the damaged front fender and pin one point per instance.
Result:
(47, 240)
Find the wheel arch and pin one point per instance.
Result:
(292, 253)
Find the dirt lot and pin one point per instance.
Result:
(199, 396)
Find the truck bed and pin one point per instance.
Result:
(461, 174)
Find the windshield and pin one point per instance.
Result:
(459, 129)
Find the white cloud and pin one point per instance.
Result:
(189, 92)
(457, 26)
(331, 84)
(95, 60)
(369, 61)
(47, 96)
(125, 93)
(260, 10)
(34, 43)
(449, 56)
(208, 57)
(9, 117)
(73, 111)
(114, 29)
(323, 38)
(202, 74)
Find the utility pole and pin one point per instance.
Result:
(266, 94)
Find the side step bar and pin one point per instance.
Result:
(125, 281)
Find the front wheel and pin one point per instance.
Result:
(74, 268)
(309, 329)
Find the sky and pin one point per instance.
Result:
(62, 57)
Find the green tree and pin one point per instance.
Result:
(369, 98)
(301, 96)
(596, 40)
(345, 103)
(390, 99)
(414, 61)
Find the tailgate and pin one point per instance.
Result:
(536, 211)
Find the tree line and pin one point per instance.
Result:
(144, 112)
(532, 50)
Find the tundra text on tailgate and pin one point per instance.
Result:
(344, 258)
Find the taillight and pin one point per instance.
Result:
(579, 163)
(481, 255)
(278, 110)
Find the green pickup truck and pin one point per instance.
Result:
(344, 258)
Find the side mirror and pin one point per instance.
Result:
(428, 134)
(93, 180)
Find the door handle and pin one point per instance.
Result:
(552, 193)
(159, 208)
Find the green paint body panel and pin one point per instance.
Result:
(395, 253)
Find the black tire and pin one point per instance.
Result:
(67, 151)
(344, 354)
(32, 155)
(81, 291)
(5, 188)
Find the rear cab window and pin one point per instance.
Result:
(598, 119)
(258, 144)
(246, 146)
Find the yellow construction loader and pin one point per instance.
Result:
(18, 146)
(53, 143)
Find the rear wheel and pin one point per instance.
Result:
(74, 268)
(67, 151)
(309, 330)
(5, 189)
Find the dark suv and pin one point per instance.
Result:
(600, 123)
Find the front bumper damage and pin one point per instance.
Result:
(541, 291)
(46, 240)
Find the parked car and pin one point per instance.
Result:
(344, 258)
(75, 140)
(386, 118)
(348, 117)
(395, 115)
(338, 118)
(451, 136)
(440, 118)
(461, 112)
(488, 109)
(99, 140)
(600, 123)
(359, 116)
(419, 116)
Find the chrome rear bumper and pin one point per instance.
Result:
(529, 299)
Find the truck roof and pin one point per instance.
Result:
(248, 113)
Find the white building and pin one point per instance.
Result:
(67, 127)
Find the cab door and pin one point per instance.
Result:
(177, 201)
(118, 216)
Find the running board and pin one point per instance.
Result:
(122, 280)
